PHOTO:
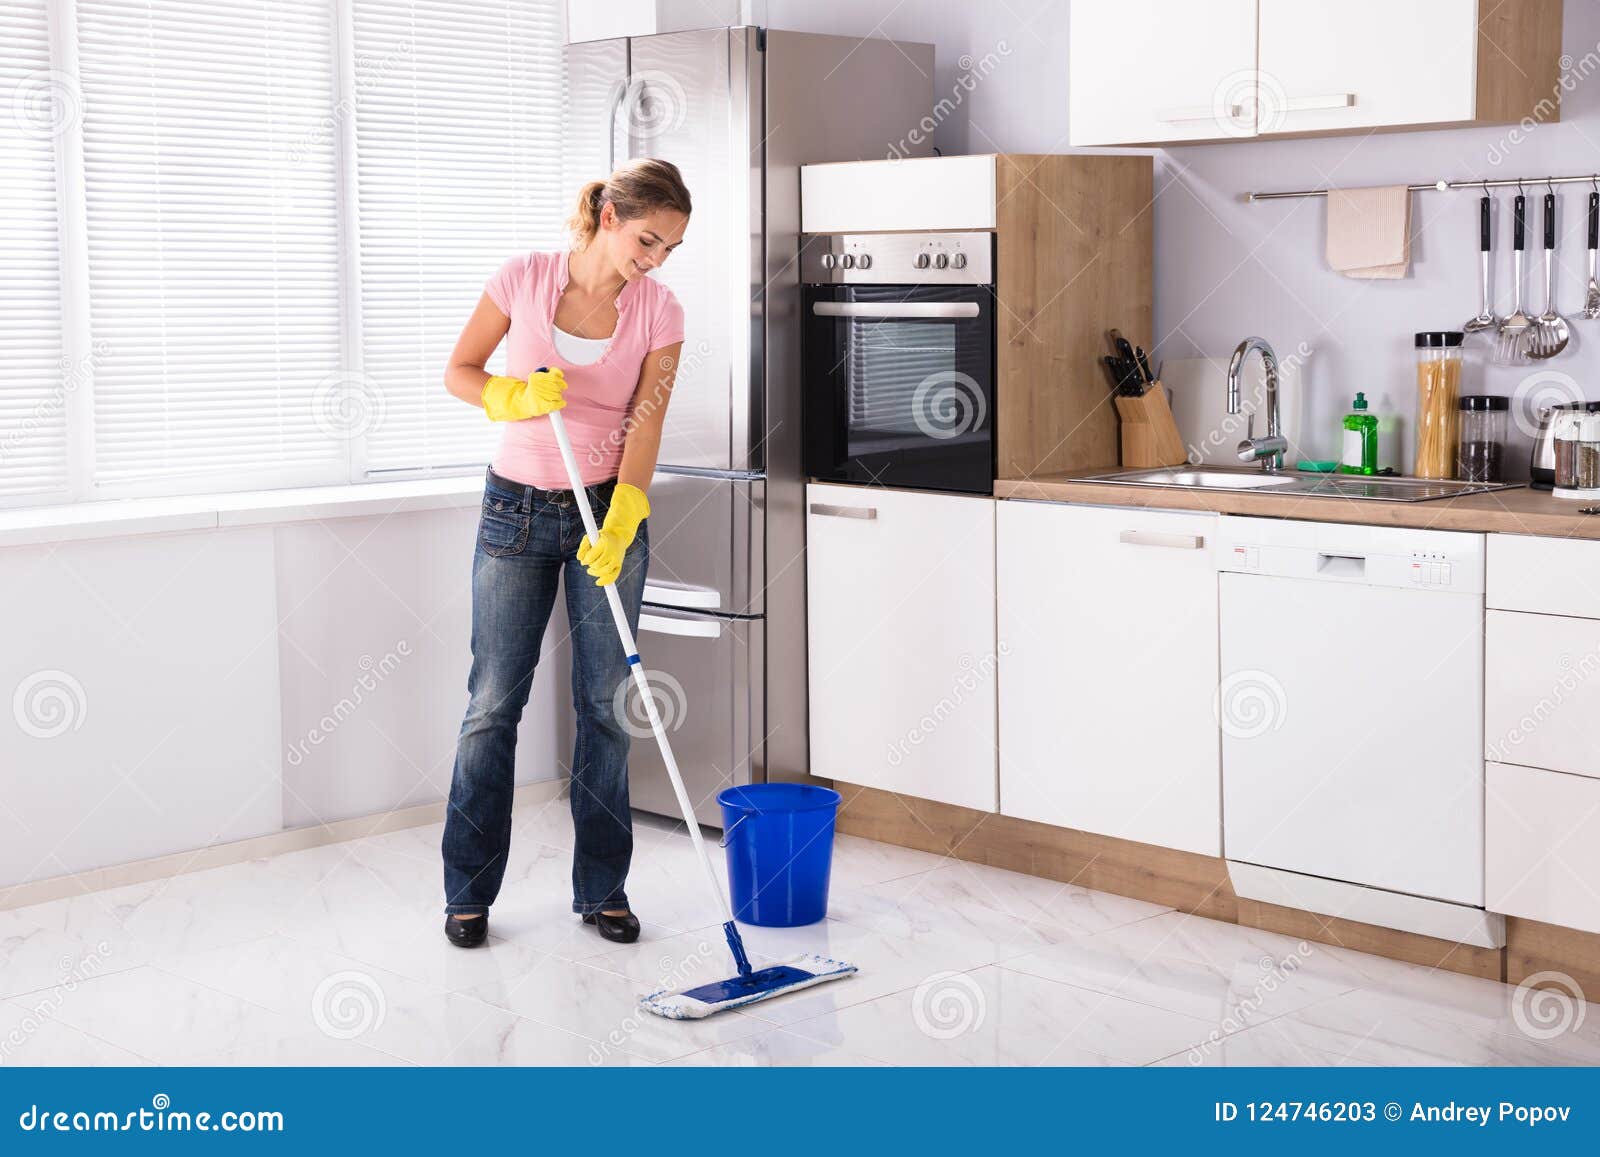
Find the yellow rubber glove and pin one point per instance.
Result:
(512, 399)
(629, 507)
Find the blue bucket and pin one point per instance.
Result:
(779, 839)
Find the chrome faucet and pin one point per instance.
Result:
(1269, 450)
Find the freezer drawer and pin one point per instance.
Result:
(704, 671)
(707, 537)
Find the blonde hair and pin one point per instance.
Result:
(637, 188)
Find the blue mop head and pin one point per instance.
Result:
(747, 988)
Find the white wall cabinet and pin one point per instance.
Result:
(901, 641)
(1543, 846)
(1161, 70)
(1107, 624)
(1271, 68)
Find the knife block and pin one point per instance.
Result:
(1149, 435)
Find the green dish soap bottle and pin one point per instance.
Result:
(1360, 454)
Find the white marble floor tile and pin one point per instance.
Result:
(775, 1048)
(1233, 993)
(858, 863)
(1225, 946)
(33, 1040)
(1264, 1046)
(960, 884)
(603, 1007)
(167, 1019)
(897, 909)
(993, 1016)
(32, 957)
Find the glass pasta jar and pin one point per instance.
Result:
(1438, 401)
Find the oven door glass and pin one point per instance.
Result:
(899, 385)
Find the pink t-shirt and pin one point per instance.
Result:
(527, 289)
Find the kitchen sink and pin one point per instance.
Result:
(1367, 488)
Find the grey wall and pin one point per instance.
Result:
(1226, 268)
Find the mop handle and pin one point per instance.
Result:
(632, 651)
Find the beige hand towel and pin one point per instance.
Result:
(1369, 231)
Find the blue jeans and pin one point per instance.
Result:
(527, 540)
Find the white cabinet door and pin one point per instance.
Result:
(1542, 691)
(1542, 846)
(1143, 71)
(1346, 64)
(900, 628)
(1108, 672)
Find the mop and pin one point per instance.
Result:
(749, 984)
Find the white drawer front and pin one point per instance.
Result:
(1542, 844)
(1549, 576)
(1542, 691)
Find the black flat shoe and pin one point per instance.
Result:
(466, 933)
(623, 929)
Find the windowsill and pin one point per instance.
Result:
(116, 518)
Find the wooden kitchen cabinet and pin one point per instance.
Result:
(1107, 627)
(1543, 846)
(1289, 68)
(901, 641)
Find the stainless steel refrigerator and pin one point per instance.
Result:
(738, 110)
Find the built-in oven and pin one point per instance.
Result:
(897, 359)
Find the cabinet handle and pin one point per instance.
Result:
(891, 309)
(828, 510)
(1155, 538)
(687, 628)
(1175, 116)
(1319, 103)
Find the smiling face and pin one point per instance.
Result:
(636, 246)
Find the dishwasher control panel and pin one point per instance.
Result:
(1433, 560)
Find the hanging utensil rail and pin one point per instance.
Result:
(1446, 186)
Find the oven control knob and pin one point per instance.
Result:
(958, 261)
(848, 261)
(941, 261)
(922, 261)
(865, 262)
(827, 261)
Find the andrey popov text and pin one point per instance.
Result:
(1449, 1113)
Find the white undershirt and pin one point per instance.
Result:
(580, 351)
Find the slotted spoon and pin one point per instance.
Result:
(1550, 333)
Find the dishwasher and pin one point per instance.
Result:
(1350, 704)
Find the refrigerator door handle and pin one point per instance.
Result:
(688, 628)
(611, 125)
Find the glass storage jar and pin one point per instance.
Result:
(1481, 449)
(1438, 396)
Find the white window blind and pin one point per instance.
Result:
(37, 106)
(213, 243)
(458, 129)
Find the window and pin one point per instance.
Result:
(280, 216)
(33, 392)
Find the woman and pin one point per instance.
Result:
(593, 320)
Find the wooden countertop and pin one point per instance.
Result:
(1519, 511)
